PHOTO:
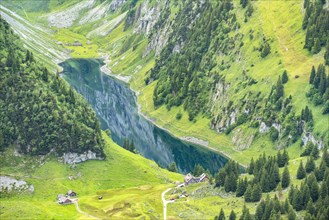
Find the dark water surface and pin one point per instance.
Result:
(115, 105)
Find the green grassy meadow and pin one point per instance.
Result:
(131, 186)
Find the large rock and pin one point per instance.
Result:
(72, 158)
(9, 184)
(308, 136)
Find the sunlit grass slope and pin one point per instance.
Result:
(123, 178)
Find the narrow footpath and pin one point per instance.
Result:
(82, 212)
(165, 202)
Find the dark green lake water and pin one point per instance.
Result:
(115, 105)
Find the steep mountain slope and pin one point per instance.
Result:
(39, 112)
(210, 70)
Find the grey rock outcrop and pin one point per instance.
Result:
(10, 184)
(72, 158)
(308, 136)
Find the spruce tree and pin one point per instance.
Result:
(319, 171)
(198, 170)
(325, 156)
(256, 194)
(245, 214)
(285, 178)
(298, 201)
(301, 171)
(221, 215)
(232, 215)
(276, 173)
(279, 159)
(248, 193)
(305, 194)
(284, 77)
(285, 158)
(324, 189)
(220, 178)
(323, 84)
(315, 152)
(310, 207)
(241, 188)
(230, 183)
(312, 75)
(291, 214)
(317, 46)
(326, 54)
(260, 210)
(310, 165)
(314, 191)
(251, 166)
(244, 3)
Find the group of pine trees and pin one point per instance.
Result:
(227, 176)
(316, 20)
(266, 177)
(39, 111)
(183, 78)
(312, 195)
(319, 92)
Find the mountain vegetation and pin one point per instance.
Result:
(311, 195)
(241, 77)
(39, 111)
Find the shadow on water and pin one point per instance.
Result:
(115, 105)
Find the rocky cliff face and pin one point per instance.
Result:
(150, 20)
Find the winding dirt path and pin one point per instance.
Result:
(165, 202)
(82, 212)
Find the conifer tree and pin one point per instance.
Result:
(248, 193)
(244, 3)
(285, 158)
(310, 207)
(301, 171)
(310, 165)
(266, 50)
(245, 214)
(323, 84)
(241, 188)
(230, 183)
(305, 194)
(276, 174)
(220, 178)
(312, 75)
(298, 201)
(284, 77)
(291, 214)
(198, 170)
(319, 171)
(326, 54)
(314, 191)
(251, 166)
(324, 189)
(317, 46)
(315, 152)
(256, 194)
(325, 157)
(260, 210)
(285, 178)
(221, 215)
(232, 215)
